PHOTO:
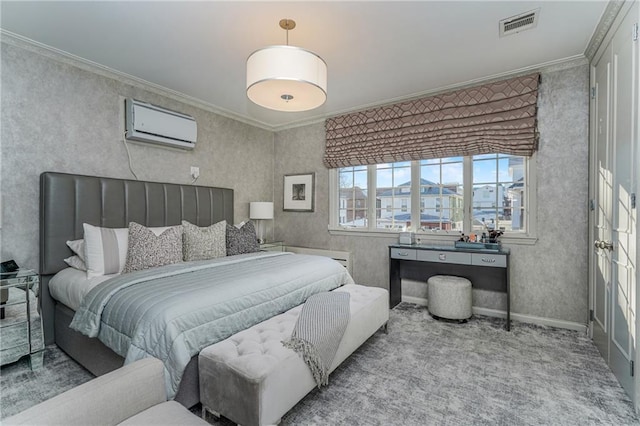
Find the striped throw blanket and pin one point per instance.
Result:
(319, 330)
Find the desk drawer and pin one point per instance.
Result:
(493, 260)
(400, 253)
(444, 257)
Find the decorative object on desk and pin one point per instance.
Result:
(406, 238)
(299, 192)
(260, 211)
(485, 243)
(477, 246)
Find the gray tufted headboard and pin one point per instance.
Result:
(67, 201)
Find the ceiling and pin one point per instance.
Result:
(376, 52)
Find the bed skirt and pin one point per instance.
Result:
(93, 355)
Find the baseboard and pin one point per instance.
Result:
(416, 300)
(530, 319)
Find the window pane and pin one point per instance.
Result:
(483, 156)
(484, 171)
(352, 182)
(441, 160)
(441, 193)
(498, 190)
(393, 195)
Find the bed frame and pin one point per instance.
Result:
(67, 201)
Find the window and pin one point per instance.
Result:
(449, 195)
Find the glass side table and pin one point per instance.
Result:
(272, 246)
(20, 322)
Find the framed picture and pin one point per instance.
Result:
(299, 192)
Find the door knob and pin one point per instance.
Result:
(605, 245)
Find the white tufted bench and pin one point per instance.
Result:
(252, 379)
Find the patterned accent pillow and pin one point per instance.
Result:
(147, 250)
(243, 240)
(201, 243)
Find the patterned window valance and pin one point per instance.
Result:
(498, 117)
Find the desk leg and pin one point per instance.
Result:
(508, 300)
(395, 286)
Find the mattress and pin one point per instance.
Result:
(70, 285)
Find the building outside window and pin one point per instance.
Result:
(393, 191)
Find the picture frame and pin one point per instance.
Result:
(299, 192)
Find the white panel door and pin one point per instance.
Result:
(601, 263)
(624, 117)
(615, 231)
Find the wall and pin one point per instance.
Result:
(59, 117)
(548, 279)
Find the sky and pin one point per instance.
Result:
(450, 171)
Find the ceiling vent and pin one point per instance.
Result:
(519, 23)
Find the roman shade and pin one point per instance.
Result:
(497, 117)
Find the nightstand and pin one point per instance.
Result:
(272, 246)
(21, 326)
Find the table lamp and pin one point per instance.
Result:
(260, 211)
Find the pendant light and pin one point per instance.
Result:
(286, 78)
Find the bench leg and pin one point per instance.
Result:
(385, 327)
(205, 410)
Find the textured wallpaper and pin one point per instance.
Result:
(57, 117)
(548, 279)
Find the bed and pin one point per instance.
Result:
(69, 201)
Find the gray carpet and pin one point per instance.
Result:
(424, 372)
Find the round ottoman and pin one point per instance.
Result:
(449, 297)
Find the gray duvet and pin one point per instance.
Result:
(173, 312)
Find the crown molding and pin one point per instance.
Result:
(552, 66)
(601, 30)
(94, 67)
(50, 52)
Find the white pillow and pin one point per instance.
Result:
(106, 248)
(76, 263)
(77, 246)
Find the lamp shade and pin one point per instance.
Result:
(286, 78)
(261, 210)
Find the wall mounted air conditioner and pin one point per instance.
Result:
(150, 123)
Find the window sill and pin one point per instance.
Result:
(425, 237)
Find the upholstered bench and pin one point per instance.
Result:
(449, 297)
(252, 379)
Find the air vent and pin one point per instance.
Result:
(519, 23)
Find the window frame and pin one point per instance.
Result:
(529, 236)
